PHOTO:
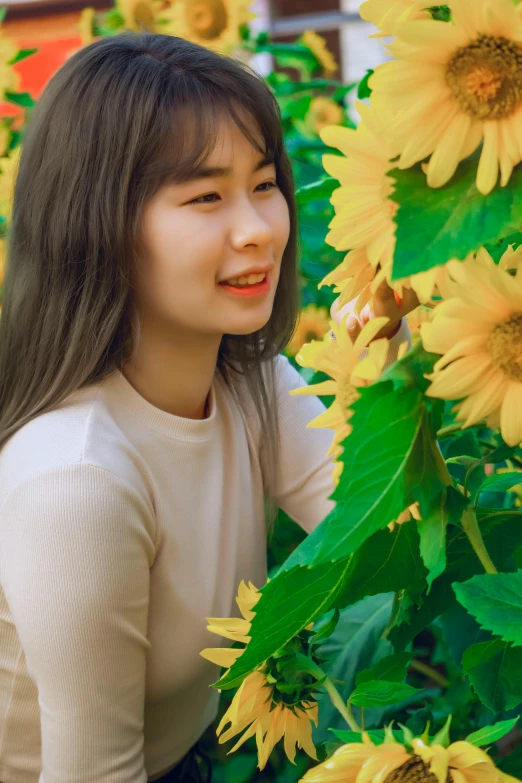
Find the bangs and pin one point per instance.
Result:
(187, 130)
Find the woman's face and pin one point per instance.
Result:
(225, 225)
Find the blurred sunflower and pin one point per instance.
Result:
(391, 762)
(9, 78)
(313, 324)
(211, 23)
(318, 46)
(384, 14)
(415, 318)
(2, 261)
(478, 329)
(454, 85)
(323, 112)
(8, 171)
(86, 26)
(341, 360)
(143, 15)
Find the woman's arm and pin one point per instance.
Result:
(77, 545)
(305, 477)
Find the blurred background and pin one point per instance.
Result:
(52, 26)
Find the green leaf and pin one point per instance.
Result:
(380, 693)
(364, 89)
(291, 87)
(498, 248)
(316, 190)
(279, 616)
(328, 628)
(435, 225)
(494, 669)
(3, 11)
(490, 734)
(356, 644)
(501, 482)
(21, 55)
(502, 532)
(495, 600)
(393, 668)
(23, 99)
(432, 531)
(388, 465)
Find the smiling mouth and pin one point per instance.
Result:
(244, 281)
(260, 288)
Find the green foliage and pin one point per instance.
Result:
(494, 670)
(21, 55)
(496, 602)
(22, 99)
(491, 733)
(435, 225)
(380, 693)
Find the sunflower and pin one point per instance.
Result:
(478, 329)
(391, 762)
(313, 324)
(453, 85)
(384, 14)
(340, 358)
(317, 45)
(211, 23)
(254, 708)
(363, 205)
(322, 113)
(259, 706)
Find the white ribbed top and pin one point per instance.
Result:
(122, 528)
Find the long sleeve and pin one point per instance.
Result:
(77, 543)
(305, 479)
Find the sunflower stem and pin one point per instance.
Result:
(433, 674)
(444, 432)
(335, 697)
(471, 528)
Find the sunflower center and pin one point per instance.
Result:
(414, 770)
(346, 394)
(485, 77)
(505, 346)
(207, 18)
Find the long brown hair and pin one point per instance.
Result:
(113, 125)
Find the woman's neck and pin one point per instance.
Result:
(174, 374)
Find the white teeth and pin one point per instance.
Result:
(246, 280)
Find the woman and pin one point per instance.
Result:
(151, 285)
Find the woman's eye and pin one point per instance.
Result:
(208, 198)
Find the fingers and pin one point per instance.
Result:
(352, 323)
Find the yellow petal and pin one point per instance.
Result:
(222, 656)
(487, 172)
(511, 415)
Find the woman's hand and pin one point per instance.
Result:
(383, 304)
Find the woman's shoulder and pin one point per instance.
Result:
(78, 432)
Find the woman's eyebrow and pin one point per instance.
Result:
(219, 171)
